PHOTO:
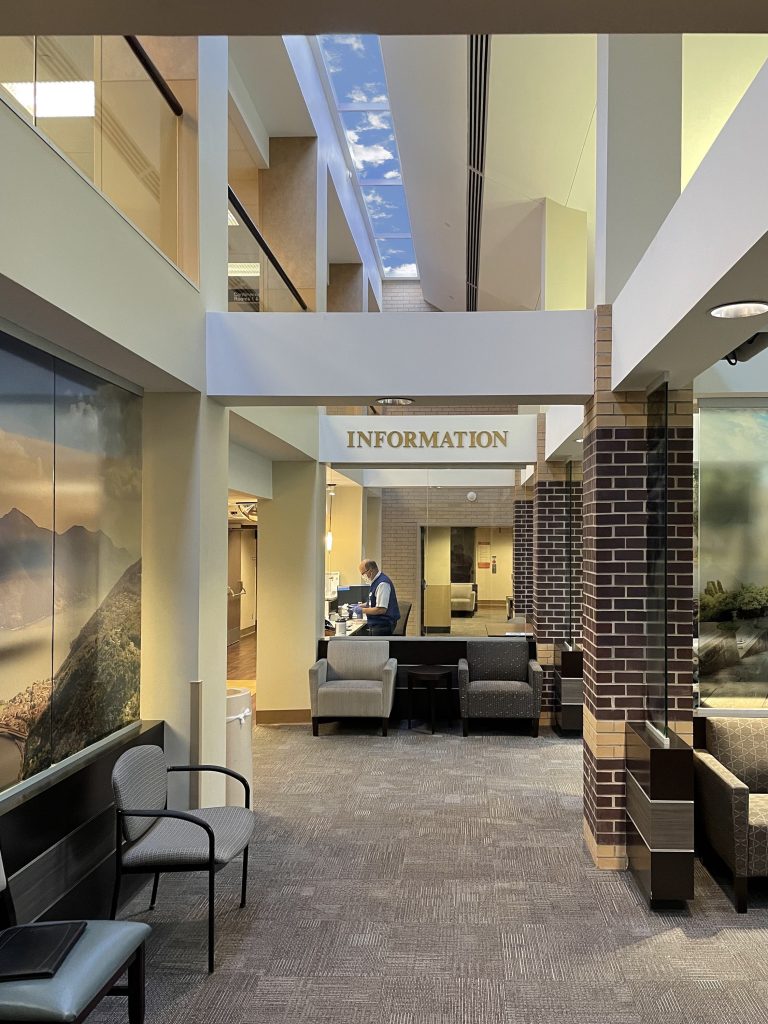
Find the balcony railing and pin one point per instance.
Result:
(102, 102)
(257, 281)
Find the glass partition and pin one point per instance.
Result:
(92, 97)
(732, 526)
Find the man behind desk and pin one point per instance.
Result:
(382, 609)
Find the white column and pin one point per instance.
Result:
(639, 120)
(290, 587)
(184, 577)
(213, 124)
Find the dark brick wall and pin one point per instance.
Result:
(522, 557)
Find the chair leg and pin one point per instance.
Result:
(244, 885)
(115, 895)
(534, 727)
(384, 724)
(155, 884)
(740, 893)
(211, 922)
(136, 988)
(465, 727)
(315, 726)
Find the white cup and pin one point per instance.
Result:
(341, 628)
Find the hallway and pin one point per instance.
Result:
(436, 880)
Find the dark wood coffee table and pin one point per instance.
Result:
(430, 677)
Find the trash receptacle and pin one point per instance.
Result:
(239, 747)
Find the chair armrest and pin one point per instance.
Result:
(182, 816)
(317, 676)
(535, 681)
(723, 802)
(388, 676)
(215, 768)
(463, 681)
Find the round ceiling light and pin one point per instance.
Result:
(738, 310)
(394, 401)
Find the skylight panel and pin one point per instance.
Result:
(355, 69)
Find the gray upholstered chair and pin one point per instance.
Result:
(355, 680)
(732, 798)
(160, 840)
(497, 679)
(101, 956)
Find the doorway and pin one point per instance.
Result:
(242, 603)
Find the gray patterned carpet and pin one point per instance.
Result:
(426, 879)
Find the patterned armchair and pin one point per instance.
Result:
(732, 797)
(498, 680)
(355, 680)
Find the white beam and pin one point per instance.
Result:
(356, 358)
(563, 432)
(467, 477)
(712, 248)
(247, 119)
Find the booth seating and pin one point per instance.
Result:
(355, 680)
(732, 797)
(463, 599)
(101, 956)
(497, 679)
(161, 840)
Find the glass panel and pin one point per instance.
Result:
(17, 74)
(355, 68)
(398, 257)
(138, 159)
(372, 145)
(732, 557)
(65, 97)
(26, 559)
(254, 283)
(97, 568)
(387, 210)
(657, 540)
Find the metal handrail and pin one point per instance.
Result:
(246, 219)
(162, 86)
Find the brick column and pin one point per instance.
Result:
(522, 557)
(614, 611)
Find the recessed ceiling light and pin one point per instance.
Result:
(737, 310)
(579, 440)
(394, 401)
(244, 269)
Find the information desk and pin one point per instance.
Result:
(412, 651)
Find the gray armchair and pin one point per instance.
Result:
(355, 680)
(732, 798)
(498, 680)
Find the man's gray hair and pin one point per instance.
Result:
(370, 565)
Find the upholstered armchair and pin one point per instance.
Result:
(463, 598)
(497, 679)
(732, 798)
(355, 680)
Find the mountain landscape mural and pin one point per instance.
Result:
(70, 570)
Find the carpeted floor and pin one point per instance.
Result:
(426, 879)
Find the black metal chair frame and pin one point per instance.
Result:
(211, 866)
(134, 965)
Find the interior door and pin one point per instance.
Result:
(436, 597)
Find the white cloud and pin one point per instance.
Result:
(403, 270)
(392, 174)
(355, 43)
(357, 95)
(365, 156)
(367, 94)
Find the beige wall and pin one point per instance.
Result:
(404, 297)
(346, 523)
(290, 586)
(345, 288)
(248, 576)
(495, 586)
(288, 197)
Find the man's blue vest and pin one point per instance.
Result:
(393, 611)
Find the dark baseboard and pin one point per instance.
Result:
(290, 716)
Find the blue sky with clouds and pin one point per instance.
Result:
(356, 72)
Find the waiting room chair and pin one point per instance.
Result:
(463, 599)
(402, 623)
(355, 680)
(732, 798)
(101, 956)
(497, 679)
(161, 840)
